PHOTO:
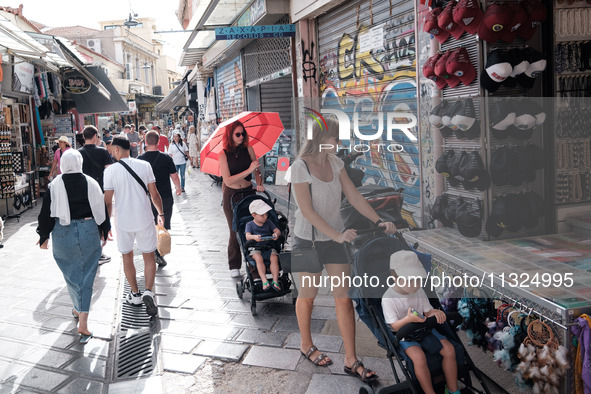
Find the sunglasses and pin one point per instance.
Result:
(240, 134)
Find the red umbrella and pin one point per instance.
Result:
(263, 129)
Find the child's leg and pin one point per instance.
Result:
(449, 365)
(422, 373)
(274, 267)
(261, 269)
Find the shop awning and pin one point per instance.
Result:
(93, 102)
(178, 97)
(16, 42)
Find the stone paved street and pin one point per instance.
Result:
(208, 341)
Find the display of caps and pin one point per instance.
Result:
(452, 208)
(473, 171)
(441, 71)
(446, 21)
(505, 215)
(439, 208)
(442, 164)
(502, 117)
(497, 69)
(429, 71)
(459, 65)
(519, 63)
(435, 118)
(515, 165)
(528, 115)
(502, 164)
(497, 19)
(431, 25)
(520, 18)
(469, 218)
(537, 64)
(453, 166)
(464, 120)
(468, 15)
(448, 113)
(537, 13)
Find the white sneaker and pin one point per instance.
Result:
(151, 307)
(235, 273)
(134, 299)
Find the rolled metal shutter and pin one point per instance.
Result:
(276, 96)
(375, 80)
(230, 88)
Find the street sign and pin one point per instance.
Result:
(245, 32)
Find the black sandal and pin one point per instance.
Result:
(318, 359)
(363, 377)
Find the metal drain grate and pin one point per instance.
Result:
(135, 356)
(137, 344)
(133, 317)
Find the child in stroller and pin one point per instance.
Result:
(242, 216)
(406, 304)
(262, 230)
(372, 258)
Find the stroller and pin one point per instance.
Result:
(252, 283)
(373, 259)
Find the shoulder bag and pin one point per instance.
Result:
(186, 157)
(135, 176)
(306, 259)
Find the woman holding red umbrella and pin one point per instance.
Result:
(237, 163)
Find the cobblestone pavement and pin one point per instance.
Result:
(205, 339)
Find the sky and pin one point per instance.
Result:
(88, 13)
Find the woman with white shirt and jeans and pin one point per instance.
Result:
(178, 150)
(318, 177)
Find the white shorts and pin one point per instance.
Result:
(146, 240)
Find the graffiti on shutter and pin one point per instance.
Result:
(371, 68)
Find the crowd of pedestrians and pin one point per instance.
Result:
(127, 177)
(131, 182)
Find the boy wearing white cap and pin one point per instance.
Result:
(404, 303)
(260, 227)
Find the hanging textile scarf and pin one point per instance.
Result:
(583, 355)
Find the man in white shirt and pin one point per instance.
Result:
(134, 221)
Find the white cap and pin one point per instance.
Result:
(525, 121)
(462, 122)
(407, 264)
(259, 207)
(498, 72)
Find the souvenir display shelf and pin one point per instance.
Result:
(556, 254)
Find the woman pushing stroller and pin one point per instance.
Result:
(237, 163)
(318, 177)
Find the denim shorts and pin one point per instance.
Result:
(406, 344)
(266, 256)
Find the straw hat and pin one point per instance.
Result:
(63, 138)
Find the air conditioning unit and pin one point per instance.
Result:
(94, 44)
(157, 90)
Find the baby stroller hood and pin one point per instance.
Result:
(373, 261)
